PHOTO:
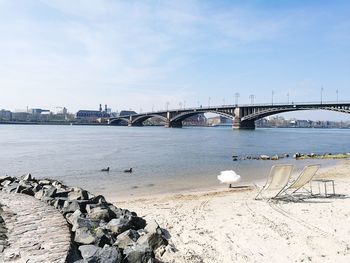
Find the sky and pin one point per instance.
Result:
(142, 54)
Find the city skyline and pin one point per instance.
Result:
(141, 55)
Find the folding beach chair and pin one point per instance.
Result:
(276, 182)
(303, 179)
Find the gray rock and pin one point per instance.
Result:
(264, 157)
(20, 188)
(152, 227)
(71, 218)
(153, 240)
(118, 225)
(36, 187)
(70, 206)
(48, 200)
(139, 254)
(59, 202)
(6, 182)
(63, 194)
(296, 155)
(99, 213)
(274, 158)
(94, 254)
(50, 192)
(81, 222)
(154, 236)
(78, 194)
(84, 236)
(126, 239)
(10, 188)
(44, 182)
(137, 222)
(39, 194)
(103, 239)
(88, 251)
(27, 177)
(98, 199)
(6, 178)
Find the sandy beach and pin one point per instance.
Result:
(230, 226)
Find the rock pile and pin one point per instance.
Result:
(100, 231)
(260, 157)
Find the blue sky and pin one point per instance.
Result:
(142, 54)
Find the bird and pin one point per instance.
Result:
(105, 169)
(228, 177)
(128, 170)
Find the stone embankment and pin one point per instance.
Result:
(100, 232)
(3, 232)
(36, 232)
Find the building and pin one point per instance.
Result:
(20, 116)
(126, 112)
(38, 111)
(196, 120)
(92, 115)
(5, 115)
(219, 120)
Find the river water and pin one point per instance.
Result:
(163, 160)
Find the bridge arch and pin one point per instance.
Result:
(137, 121)
(184, 115)
(273, 111)
(119, 121)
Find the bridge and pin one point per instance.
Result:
(243, 116)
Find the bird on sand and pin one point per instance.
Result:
(105, 169)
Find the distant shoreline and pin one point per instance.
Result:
(190, 126)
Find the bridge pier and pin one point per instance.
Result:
(246, 125)
(173, 124)
(135, 124)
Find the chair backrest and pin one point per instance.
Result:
(305, 176)
(278, 177)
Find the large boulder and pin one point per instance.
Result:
(59, 202)
(78, 194)
(71, 218)
(10, 188)
(154, 236)
(44, 182)
(139, 254)
(119, 225)
(100, 199)
(70, 206)
(6, 178)
(50, 192)
(27, 177)
(95, 254)
(126, 239)
(275, 157)
(137, 222)
(103, 237)
(84, 236)
(81, 222)
(39, 194)
(101, 213)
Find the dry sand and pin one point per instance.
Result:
(230, 226)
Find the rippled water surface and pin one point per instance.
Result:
(163, 160)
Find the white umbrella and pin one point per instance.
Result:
(228, 177)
